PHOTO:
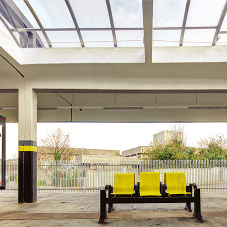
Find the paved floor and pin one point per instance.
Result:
(82, 209)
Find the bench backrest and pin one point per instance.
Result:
(124, 183)
(150, 184)
(175, 182)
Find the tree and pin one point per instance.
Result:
(213, 148)
(174, 147)
(171, 150)
(56, 146)
(178, 133)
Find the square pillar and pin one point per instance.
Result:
(27, 133)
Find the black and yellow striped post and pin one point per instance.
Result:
(27, 171)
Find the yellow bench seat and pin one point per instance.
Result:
(124, 183)
(150, 184)
(176, 183)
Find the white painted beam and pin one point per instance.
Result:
(189, 54)
(83, 55)
(148, 27)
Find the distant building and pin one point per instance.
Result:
(166, 136)
(96, 151)
(102, 158)
(134, 152)
(74, 153)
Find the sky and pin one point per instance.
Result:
(115, 136)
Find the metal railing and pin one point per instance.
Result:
(91, 176)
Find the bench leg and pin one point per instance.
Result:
(188, 204)
(110, 208)
(110, 205)
(103, 214)
(197, 206)
(188, 207)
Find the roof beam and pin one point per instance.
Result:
(109, 29)
(75, 22)
(184, 22)
(9, 30)
(135, 91)
(38, 22)
(74, 29)
(111, 22)
(148, 29)
(219, 24)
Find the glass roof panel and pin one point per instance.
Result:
(204, 12)
(26, 12)
(127, 14)
(198, 37)
(97, 38)
(168, 13)
(90, 13)
(166, 38)
(222, 40)
(64, 38)
(52, 13)
(129, 38)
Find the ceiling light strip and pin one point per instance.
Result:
(221, 19)
(75, 22)
(47, 109)
(208, 108)
(111, 22)
(38, 22)
(9, 30)
(184, 22)
(123, 108)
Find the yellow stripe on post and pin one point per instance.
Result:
(28, 148)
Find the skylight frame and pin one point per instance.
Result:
(111, 22)
(184, 21)
(10, 31)
(75, 22)
(184, 27)
(113, 29)
(221, 19)
(38, 22)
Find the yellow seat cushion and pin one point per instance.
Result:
(150, 184)
(124, 183)
(176, 183)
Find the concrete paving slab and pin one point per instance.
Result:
(82, 209)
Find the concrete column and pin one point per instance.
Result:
(27, 133)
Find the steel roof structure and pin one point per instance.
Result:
(113, 23)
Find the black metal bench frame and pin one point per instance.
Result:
(136, 198)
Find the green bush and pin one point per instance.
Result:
(13, 177)
(42, 183)
(210, 149)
